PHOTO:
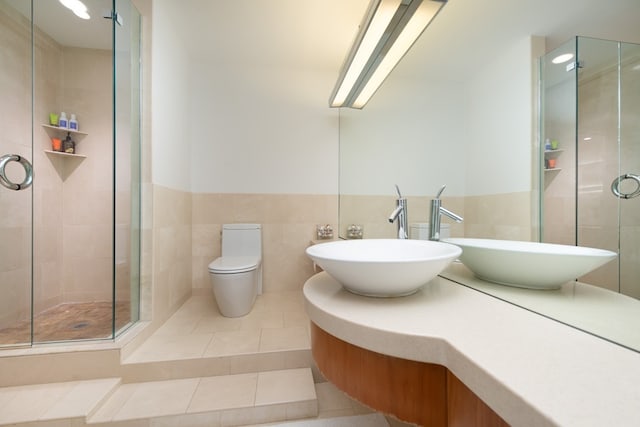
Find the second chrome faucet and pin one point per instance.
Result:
(400, 215)
(436, 212)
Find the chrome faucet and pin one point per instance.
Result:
(436, 211)
(400, 214)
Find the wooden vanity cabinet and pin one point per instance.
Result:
(422, 393)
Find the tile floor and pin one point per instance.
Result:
(265, 360)
(277, 322)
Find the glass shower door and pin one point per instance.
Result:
(15, 204)
(127, 160)
(591, 106)
(630, 165)
(598, 153)
(69, 244)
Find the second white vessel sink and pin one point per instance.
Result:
(529, 264)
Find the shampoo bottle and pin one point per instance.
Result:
(73, 123)
(62, 121)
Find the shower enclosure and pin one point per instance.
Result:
(70, 238)
(590, 151)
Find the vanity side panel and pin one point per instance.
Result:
(412, 391)
(466, 409)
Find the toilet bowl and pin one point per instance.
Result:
(236, 277)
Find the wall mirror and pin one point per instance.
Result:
(476, 132)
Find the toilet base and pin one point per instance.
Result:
(235, 293)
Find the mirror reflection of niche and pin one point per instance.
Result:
(473, 134)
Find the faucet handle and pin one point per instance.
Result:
(440, 192)
(398, 190)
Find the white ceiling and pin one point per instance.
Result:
(467, 31)
(66, 28)
(317, 34)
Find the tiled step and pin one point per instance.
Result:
(197, 341)
(228, 400)
(212, 366)
(45, 403)
(368, 420)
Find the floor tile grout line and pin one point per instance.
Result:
(206, 347)
(193, 393)
(255, 391)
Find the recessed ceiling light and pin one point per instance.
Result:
(77, 7)
(562, 58)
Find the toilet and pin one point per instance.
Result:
(236, 277)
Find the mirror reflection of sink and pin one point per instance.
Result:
(383, 267)
(529, 264)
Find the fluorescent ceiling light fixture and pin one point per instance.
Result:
(77, 7)
(561, 59)
(388, 31)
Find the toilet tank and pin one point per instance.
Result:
(241, 240)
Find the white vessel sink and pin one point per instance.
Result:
(529, 264)
(383, 267)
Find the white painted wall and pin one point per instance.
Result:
(170, 94)
(411, 133)
(262, 129)
(498, 146)
(229, 125)
(246, 109)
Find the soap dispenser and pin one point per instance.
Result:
(69, 145)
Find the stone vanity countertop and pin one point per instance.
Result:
(531, 370)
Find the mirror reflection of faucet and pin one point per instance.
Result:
(400, 214)
(437, 210)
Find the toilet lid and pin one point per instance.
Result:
(234, 264)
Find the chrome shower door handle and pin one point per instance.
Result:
(615, 186)
(28, 172)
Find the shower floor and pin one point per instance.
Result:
(69, 321)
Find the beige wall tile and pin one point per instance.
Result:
(171, 253)
(499, 216)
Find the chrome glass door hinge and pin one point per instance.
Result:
(573, 65)
(112, 14)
